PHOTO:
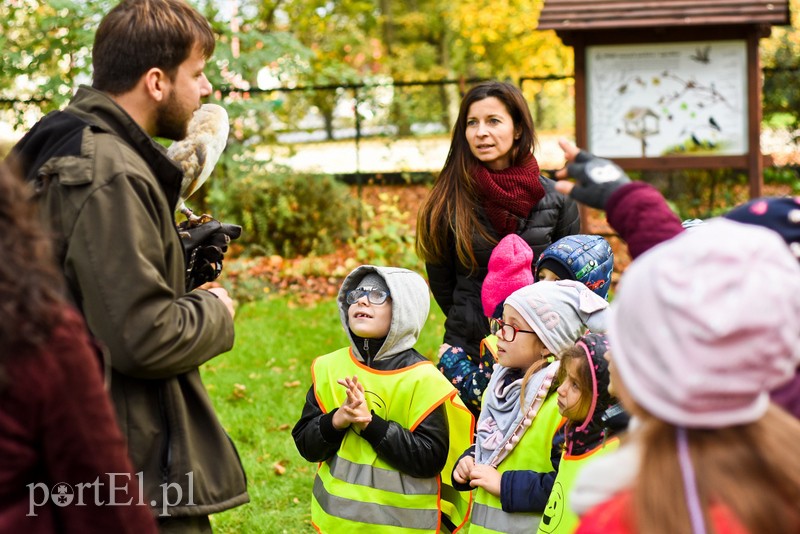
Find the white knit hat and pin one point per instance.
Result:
(704, 325)
(560, 312)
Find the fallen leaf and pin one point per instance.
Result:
(239, 391)
(279, 468)
(292, 384)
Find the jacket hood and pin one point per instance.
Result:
(102, 112)
(588, 257)
(410, 306)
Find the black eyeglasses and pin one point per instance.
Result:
(505, 331)
(374, 296)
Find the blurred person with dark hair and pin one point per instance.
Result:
(57, 424)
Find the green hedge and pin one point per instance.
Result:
(285, 213)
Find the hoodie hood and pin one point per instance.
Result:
(410, 301)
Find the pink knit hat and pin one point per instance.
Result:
(510, 268)
(704, 325)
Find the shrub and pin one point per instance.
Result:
(699, 193)
(285, 213)
(788, 175)
(386, 236)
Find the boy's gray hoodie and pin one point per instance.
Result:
(421, 453)
(410, 306)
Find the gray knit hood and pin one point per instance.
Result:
(410, 306)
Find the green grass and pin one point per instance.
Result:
(259, 389)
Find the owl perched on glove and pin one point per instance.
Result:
(199, 151)
(204, 239)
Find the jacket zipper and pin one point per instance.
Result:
(366, 352)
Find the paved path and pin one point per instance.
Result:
(385, 155)
(428, 154)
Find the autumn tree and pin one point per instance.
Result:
(780, 56)
(46, 51)
(344, 50)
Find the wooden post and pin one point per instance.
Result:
(755, 163)
(581, 137)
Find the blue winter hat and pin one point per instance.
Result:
(781, 214)
(588, 257)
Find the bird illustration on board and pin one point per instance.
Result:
(702, 55)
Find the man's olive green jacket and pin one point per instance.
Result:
(109, 192)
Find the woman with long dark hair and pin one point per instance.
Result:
(490, 187)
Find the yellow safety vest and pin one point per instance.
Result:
(489, 344)
(558, 517)
(355, 490)
(532, 453)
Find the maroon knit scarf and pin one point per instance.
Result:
(509, 195)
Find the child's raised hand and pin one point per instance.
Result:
(362, 414)
(463, 469)
(443, 348)
(595, 178)
(354, 409)
(486, 477)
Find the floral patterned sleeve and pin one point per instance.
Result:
(470, 375)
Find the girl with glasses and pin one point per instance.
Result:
(585, 258)
(518, 445)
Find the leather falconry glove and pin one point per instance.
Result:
(204, 247)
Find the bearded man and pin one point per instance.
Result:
(108, 192)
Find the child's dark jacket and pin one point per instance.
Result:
(421, 453)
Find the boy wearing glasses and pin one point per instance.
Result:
(379, 418)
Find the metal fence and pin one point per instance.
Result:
(381, 127)
(400, 127)
(385, 126)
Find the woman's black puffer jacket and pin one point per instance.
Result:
(458, 292)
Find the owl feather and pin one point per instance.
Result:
(199, 151)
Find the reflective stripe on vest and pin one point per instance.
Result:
(382, 479)
(500, 521)
(557, 516)
(532, 453)
(356, 490)
(373, 514)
